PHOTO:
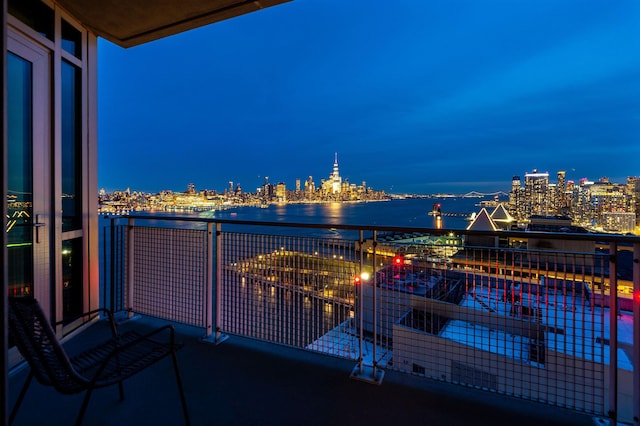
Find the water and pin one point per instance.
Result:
(399, 213)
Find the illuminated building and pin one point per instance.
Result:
(281, 192)
(516, 206)
(535, 193)
(335, 181)
(561, 188)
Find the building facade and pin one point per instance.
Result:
(49, 127)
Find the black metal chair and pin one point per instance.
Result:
(108, 363)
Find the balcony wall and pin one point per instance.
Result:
(523, 322)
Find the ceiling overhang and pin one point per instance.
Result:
(129, 23)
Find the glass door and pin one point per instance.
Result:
(28, 175)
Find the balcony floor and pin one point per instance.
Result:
(244, 382)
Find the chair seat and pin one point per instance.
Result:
(130, 360)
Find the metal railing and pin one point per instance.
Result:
(540, 316)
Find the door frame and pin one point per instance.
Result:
(42, 215)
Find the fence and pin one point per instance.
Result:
(506, 317)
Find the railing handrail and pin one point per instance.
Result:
(590, 236)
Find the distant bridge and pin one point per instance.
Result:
(475, 194)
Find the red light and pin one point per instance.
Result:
(636, 296)
(356, 280)
(398, 260)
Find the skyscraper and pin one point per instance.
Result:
(561, 189)
(515, 198)
(535, 193)
(336, 180)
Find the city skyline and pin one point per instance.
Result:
(423, 98)
(224, 186)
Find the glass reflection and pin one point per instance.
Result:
(72, 303)
(71, 148)
(19, 176)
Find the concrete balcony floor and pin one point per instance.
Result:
(245, 382)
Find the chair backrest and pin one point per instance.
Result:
(37, 342)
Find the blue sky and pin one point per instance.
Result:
(415, 96)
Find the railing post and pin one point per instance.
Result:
(613, 333)
(217, 337)
(359, 306)
(636, 334)
(208, 306)
(374, 303)
(361, 371)
(112, 263)
(130, 267)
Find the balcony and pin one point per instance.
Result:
(287, 323)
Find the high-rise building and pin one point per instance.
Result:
(561, 188)
(535, 193)
(281, 192)
(515, 198)
(309, 186)
(335, 179)
(633, 196)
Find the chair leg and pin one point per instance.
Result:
(23, 392)
(179, 380)
(85, 403)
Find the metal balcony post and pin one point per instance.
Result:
(130, 267)
(374, 309)
(361, 371)
(613, 334)
(636, 334)
(112, 262)
(219, 336)
(208, 306)
(359, 304)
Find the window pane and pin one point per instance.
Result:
(72, 304)
(35, 14)
(71, 148)
(71, 39)
(20, 176)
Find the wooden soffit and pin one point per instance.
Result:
(129, 23)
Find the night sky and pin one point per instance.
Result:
(415, 96)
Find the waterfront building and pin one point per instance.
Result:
(335, 181)
(281, 192)
(620, 222)
(561, 189)
(309, 186)
(536, 198)
(516, 195)
(586, 204)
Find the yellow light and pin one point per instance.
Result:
(365, 276)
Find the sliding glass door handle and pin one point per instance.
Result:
(37, 225)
